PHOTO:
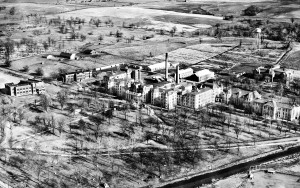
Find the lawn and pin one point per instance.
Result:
(7, 78)
(48, 66)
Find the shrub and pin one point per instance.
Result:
(7, 63)
(252, 10)
(39, 72)
(26, 68)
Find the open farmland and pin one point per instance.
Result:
(195, 53)
(244, 63)
(186, 56)
(190, 20)
(42, 9)
(140, 52)
(222, 56)
(212, 48)
(130, 12)
(156, 19)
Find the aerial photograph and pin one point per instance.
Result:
(149, 93)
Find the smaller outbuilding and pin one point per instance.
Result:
(70, 56)
(51, 57)
(90, 52)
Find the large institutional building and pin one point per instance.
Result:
(77, 76)
(274, 108)
(167, 94)
(25, 87)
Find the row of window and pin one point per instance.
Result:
(24, 88)
(23, 92)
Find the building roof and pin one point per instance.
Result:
(64, 54)
(158, 64)
(185, 70)
(111, 73)
(272, 104)
(262, 101)
(203, 72)
(10, 84)
(160, 84)
(255, 95)
(203, 90)
(78, 71)
(284, 105)
(240, 92)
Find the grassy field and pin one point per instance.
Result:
(42, 9)
(117, 137)
(48, 66)
(7, 78)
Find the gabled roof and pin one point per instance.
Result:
(240, 92)
(65, 55)
(272, 104)
(158, 64)
(256, 95)
(203, 72)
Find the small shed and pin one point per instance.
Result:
(51, 57)
(90, 52)
(69, 56)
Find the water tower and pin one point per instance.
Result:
(258, 37)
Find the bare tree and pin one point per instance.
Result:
(61, 122)
(21, 114)
(45, 102)
(8, 45)
(62, 97)
(237, 131)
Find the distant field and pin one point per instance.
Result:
(34, 1)
(43, 9)
(189, 20)
(143, 51)
(156, 19)
(130, 12)
(230, 0)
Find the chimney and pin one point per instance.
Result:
(166, 67)
(177, 74)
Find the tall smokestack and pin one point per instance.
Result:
(177, 74)
(166, 67)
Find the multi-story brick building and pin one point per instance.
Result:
(25, 87)
(273, 107)
(170, 95)
(117, 75)
(199, 97)
(278, 110)
(77, 76)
